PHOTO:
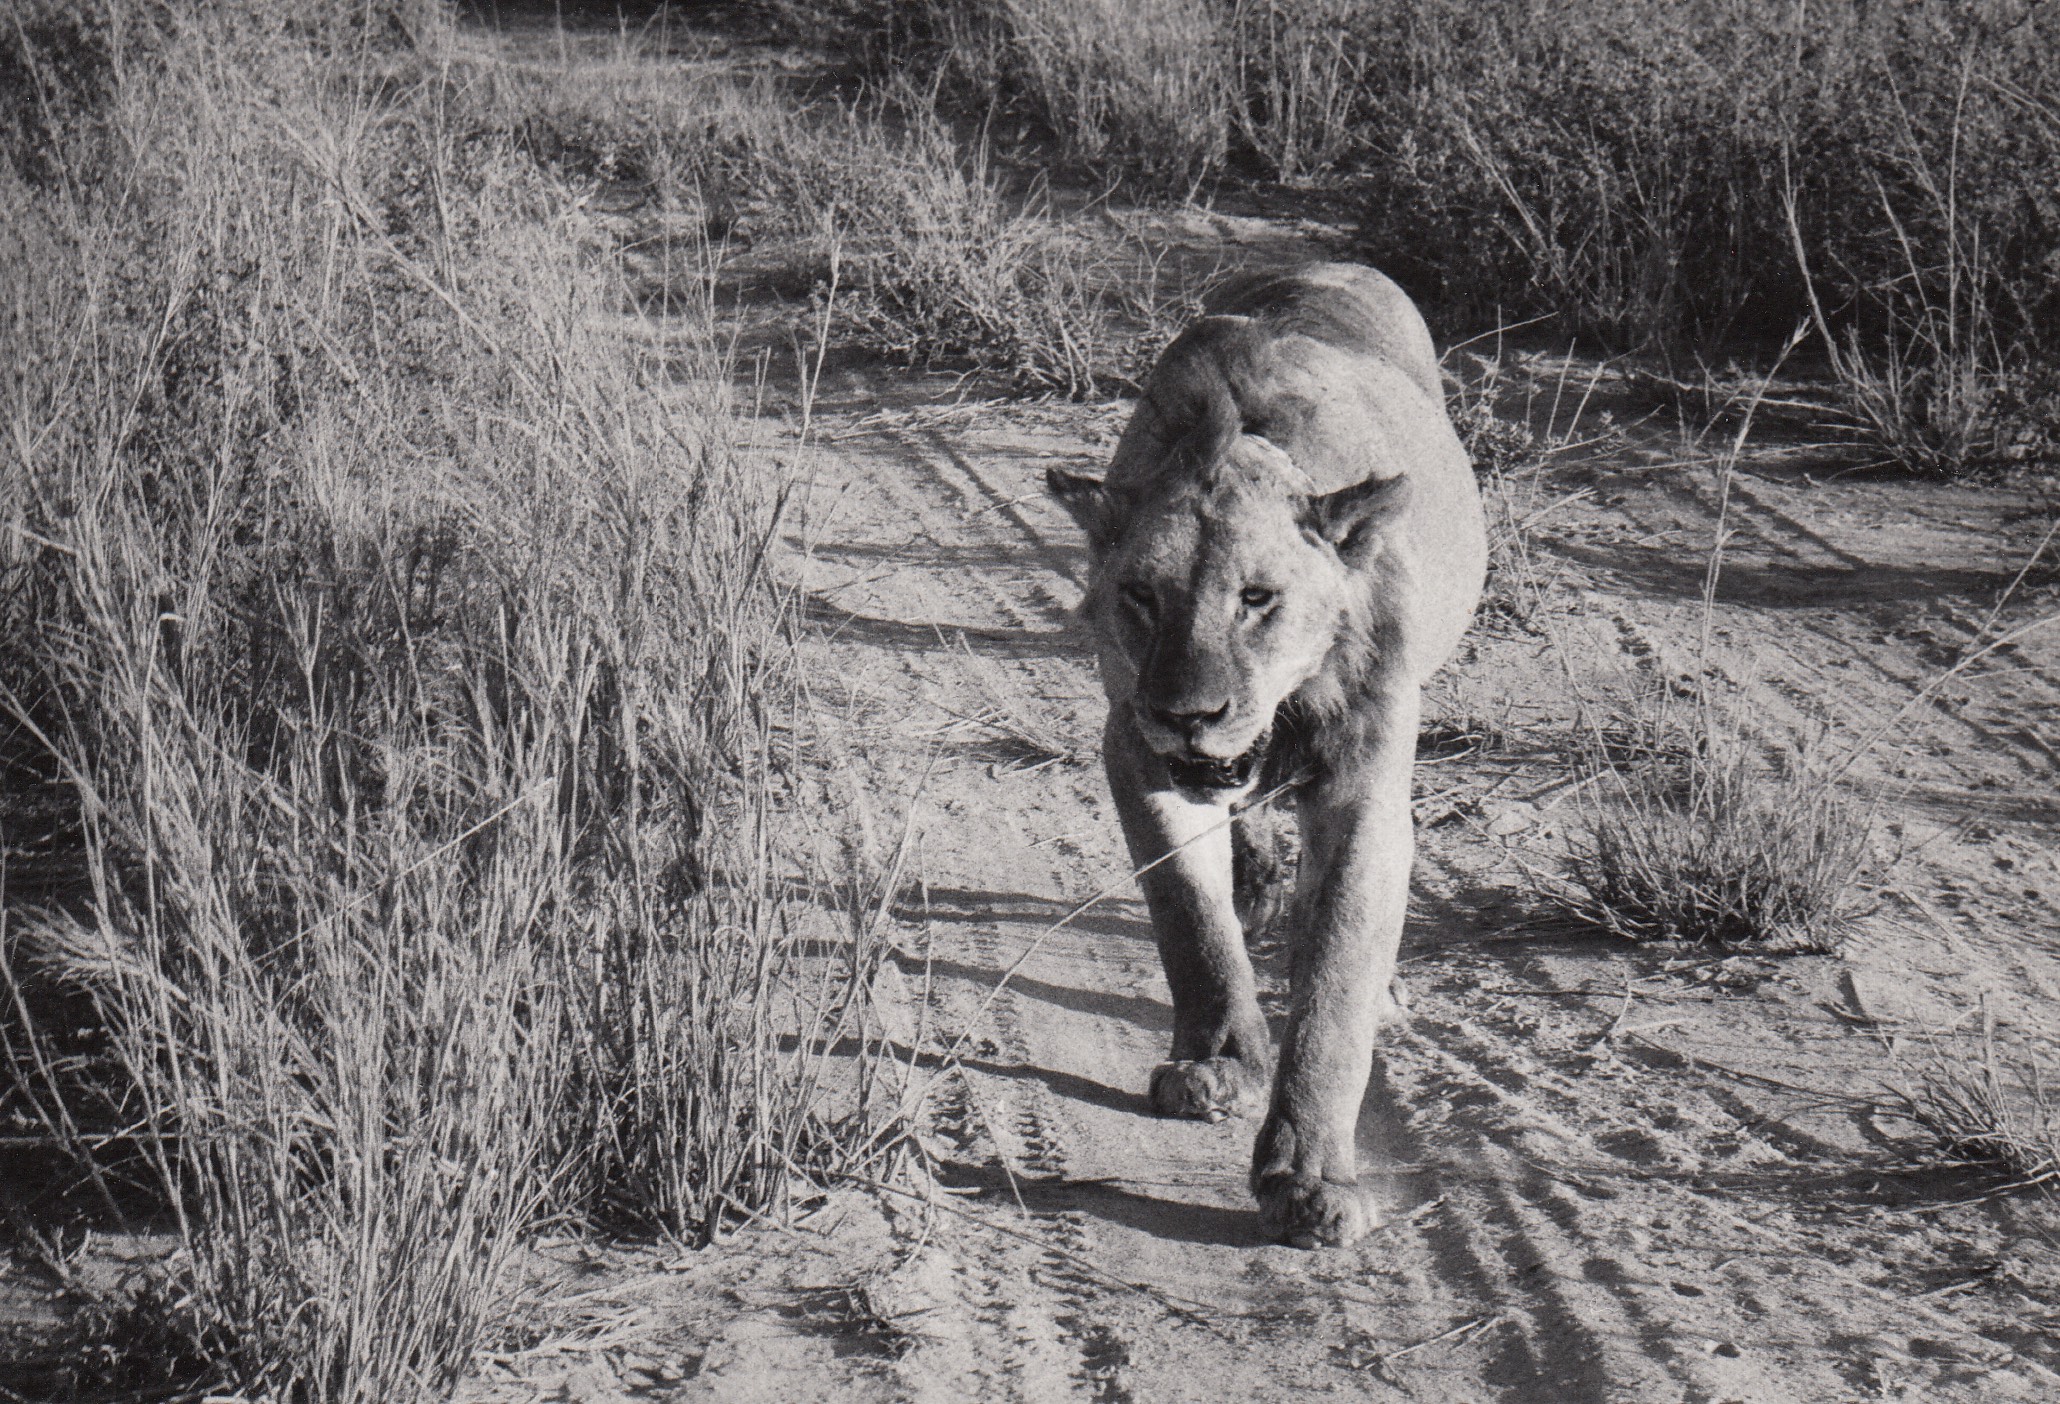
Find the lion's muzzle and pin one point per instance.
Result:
(1191, 771)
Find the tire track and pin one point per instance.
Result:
(1045, 1298)
(1809, 639)
(1595, 1322)
(1508, 1238)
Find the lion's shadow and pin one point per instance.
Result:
(1174, 1220)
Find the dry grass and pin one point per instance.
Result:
(1991, 1113)
(1015, 729)
(1693, 828)
(1689, 834)
(1519, 587)
(899, 234)
(1299, 69)
(1938, 383)
(397, 618)
(948, 269)
(1517, 427)
(1608, 164)
(1604, 164)
(1139, 87)
(1158, 93)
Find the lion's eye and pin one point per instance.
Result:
(1258, 596)
(1141, 596)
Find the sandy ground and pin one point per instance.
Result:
(1611, 1172)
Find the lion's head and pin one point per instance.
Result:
(1217, 595)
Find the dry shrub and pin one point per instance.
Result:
(398, 619)
(1688, 834)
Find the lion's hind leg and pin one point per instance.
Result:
(1262, 869)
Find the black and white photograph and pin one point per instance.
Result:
(1029, 700)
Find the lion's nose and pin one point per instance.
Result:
(1188, 720)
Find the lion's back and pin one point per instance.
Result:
(1331, 362)
(1344, 305)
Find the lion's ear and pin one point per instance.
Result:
(1350, 518)
(1086, 499)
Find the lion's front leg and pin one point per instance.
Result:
(1220, 1054)
(1358, 841)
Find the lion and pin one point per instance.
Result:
(1287, 543)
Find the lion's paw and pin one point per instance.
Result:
(1315, 1213)
(1208, 1089)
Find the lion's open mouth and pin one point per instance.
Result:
(1207, 773)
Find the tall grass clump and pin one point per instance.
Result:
(1942, 371)
(397, 617)
(1143, 88)
(1688, 833)
(947, 268)
(1299, 68)
(1692, 828)
(1622, 168)
(1159, 94)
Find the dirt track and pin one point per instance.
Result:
(1612, 1173)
